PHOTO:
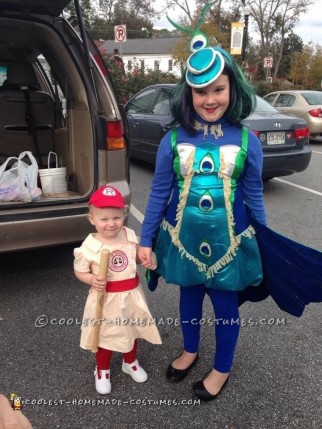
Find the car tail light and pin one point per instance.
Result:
(114, 135)
(302, 133)
(256, 133)
(316, 113)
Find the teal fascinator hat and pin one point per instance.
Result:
(204, 67)
(205, 64)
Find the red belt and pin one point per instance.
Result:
(122, 285)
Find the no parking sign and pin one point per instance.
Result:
(268, 62)
(120, 33)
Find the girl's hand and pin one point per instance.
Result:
(97, 283)
(147, 258)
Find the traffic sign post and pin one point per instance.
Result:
(268, 64)
(120, 33)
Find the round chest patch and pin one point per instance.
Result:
(118, 261)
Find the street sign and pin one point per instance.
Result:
(120, 33)
(268, 62)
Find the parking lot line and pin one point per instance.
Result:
(298, 186)
(136, 213)
(315, 151)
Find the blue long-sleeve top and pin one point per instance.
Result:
(164, 183)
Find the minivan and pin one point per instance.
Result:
(57, 95)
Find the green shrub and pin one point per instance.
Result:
(129, 83)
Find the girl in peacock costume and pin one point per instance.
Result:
(206, 196)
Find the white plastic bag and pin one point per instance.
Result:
(13, 186)
(31, 174)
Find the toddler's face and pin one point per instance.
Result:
(108, 221)
(212, 101)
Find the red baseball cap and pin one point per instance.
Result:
(107, 196)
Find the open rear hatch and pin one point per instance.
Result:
(41, 7)
(46, 101)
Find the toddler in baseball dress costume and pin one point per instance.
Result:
(126, 316)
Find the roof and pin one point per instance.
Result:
(163, 45)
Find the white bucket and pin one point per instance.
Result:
(53, 180)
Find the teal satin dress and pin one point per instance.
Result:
(203, 247)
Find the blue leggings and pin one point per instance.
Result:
(226, 325)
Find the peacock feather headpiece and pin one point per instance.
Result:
(206, 63)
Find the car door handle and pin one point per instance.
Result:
(133, 121)
(167, 128)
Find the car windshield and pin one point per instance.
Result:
(312, 98)
(264, 106)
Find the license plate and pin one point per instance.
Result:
(276, 138)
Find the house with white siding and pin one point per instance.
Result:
(152, 54)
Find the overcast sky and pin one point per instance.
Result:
(309, 27)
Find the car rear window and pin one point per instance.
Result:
(285, 100)
(264, 106)
(313, 98)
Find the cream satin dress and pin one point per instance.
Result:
(126, 315)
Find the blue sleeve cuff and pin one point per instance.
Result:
(146, 242)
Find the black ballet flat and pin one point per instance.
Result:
(175, 375)
(203, 394)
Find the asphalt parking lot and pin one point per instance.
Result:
(276, 382)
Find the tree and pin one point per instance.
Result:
(293, 43)
(106, 8)
(101, 29)
(86, 8)
(306, 68)
(133, 9)
(275, 20)
(135, 14)
(300, 66)
(184, 7)
(129, 83)
(315, 73)
(163, 32)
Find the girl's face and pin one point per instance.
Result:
(108, 221)
(212, 101)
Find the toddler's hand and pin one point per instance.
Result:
(154, 262)
(147, 258)
(97, 283)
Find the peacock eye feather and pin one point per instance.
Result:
(207, 164)
(205, 249)
(198, 41)
(206, 202)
